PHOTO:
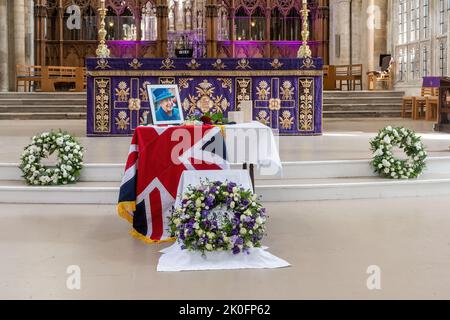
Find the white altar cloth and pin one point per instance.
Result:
(174, 258)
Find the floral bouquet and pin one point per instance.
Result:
(207, 118)
(218, 216)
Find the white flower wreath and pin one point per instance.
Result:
(384, 162)
(68, 167)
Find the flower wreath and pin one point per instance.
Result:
(70, 159)
(218, 216)
(384, 162)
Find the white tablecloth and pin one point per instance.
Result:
(253, 142)
(174, 258)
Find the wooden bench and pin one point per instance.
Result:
(28, 76)
(351, 76)
(57, 74)
(385, 76)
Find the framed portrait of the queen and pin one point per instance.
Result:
(165, 104)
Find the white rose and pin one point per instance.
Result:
(196, 225)
(199, 232)
(386, 170)
(387, 139)
(259, 220)
(389, 128)
(198, 203)
(243, 231)
(177, 221)
(209, 247)
(232, 204)
(59, 141)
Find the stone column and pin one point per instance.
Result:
(3, 47)
(19, 32)
(373, 33)
(339, 28)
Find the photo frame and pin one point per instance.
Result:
(165, 104)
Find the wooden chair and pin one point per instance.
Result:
(425, 105)
(356, 75)
(343, 75)
(408, 105)
(329, 77)
(28, 76)
(385, 76)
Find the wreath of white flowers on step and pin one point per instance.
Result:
(68, 166)
(384, 162)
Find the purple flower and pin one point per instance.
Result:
(238, 241)
(236, 250)
(209, 201)
(213, 189)
(245, 202)
(205, 214)
(234, 232)
(230, 186)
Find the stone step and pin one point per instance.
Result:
(355, 94)
(42, 116)
(42, 109)
(357, 107)
(43, 95)
(43, 102)
(270, 191)
(362, 114)
(381, 101)
(113, 172)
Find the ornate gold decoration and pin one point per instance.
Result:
(122, 91)
(306, 112)
(167, 64)
(227, 83)
(263, 90)
(276, 64)
(143, 91)
(243, 64)
(143, 118)
(205, 73)
(205, 99)
(102, 49)
(308, 63)
(243, 91)
(193, 64)
(102, 105)
(286, 121)
(274, 104)
(134, 104)
(135, 64)
(263, 117)
(102, 64)
(184, 82)
(166, 80)
(122, 121)
(219, 65)
(287, 90)
(304, 51)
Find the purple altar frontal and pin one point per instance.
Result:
(286, 94)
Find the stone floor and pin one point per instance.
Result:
(330, 245)
(342, 139)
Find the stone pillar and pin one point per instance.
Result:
(162, 15)
(340, 36)
(373, 34)
(40, 14)
(3, 47)
(320, 29)
(211, 28)
(19, 32)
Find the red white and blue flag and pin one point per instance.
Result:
(157, 158)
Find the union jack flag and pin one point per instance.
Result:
(157, 158)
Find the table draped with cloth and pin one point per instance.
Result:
(286, 94)
(159, 155)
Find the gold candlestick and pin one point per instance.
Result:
(304, 51)
(102, 49)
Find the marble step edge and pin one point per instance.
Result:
(269, 193)
(113, 172)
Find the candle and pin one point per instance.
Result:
(305, 1)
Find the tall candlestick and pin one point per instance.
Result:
(304, 51)
(102, 49)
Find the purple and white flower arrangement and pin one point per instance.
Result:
(218, 216)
